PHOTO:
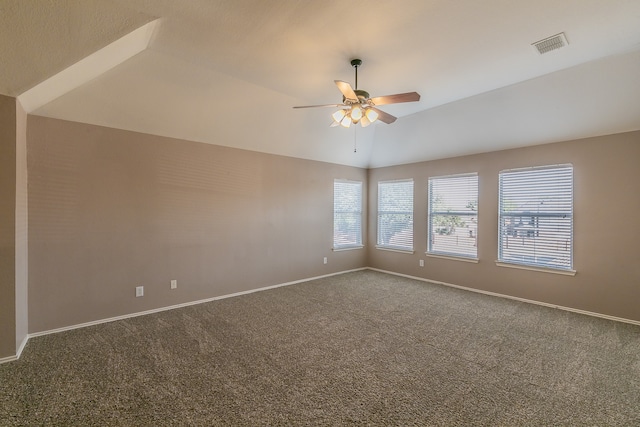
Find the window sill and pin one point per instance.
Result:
(539, 269)
(453, 257)
(347, 248)
(402, 251)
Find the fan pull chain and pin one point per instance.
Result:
(354, 140)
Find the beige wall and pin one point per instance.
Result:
(7, 225)
(111, 209)
(606, 232)
(22, 244)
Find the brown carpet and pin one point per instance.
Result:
(363, 348)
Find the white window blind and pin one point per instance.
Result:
(347, 214)
(395, 215)
(453, 215)
(536, 217)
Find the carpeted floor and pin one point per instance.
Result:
(363, 348)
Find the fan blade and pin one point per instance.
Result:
(384, 117)
(396, 99)
(346, 90)
(323, 105)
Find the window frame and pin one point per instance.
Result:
(470, 213)
(380, 213)
(503, 231)
(358, 244)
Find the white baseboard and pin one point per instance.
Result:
(495, 294)
(157, 310)
(22, 345)
(8, 359)
(18, 353)
(186, 304)
(201, 301)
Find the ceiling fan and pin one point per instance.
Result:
(358, 107)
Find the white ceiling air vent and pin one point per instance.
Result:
(550, 43)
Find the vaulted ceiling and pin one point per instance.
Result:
(227, 72)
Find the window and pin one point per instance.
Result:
(536, 217)
(453, 215)
(395, 215)
(347, 214)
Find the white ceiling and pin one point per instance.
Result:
(228, 72)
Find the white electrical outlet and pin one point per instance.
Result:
(421, 263)
(325, 260)
(139, 291)
(174, 284)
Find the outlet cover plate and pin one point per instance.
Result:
(139, 291)
(174, 284)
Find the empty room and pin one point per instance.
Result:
(411, 213)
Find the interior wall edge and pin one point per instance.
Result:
(8, 194)
(21, 230)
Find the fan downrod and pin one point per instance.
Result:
(355, 63)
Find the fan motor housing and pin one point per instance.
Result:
(362, 95)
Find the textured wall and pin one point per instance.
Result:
(110, 210)
(606, 232)
(7, 225)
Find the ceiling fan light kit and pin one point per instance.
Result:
(358, 107)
